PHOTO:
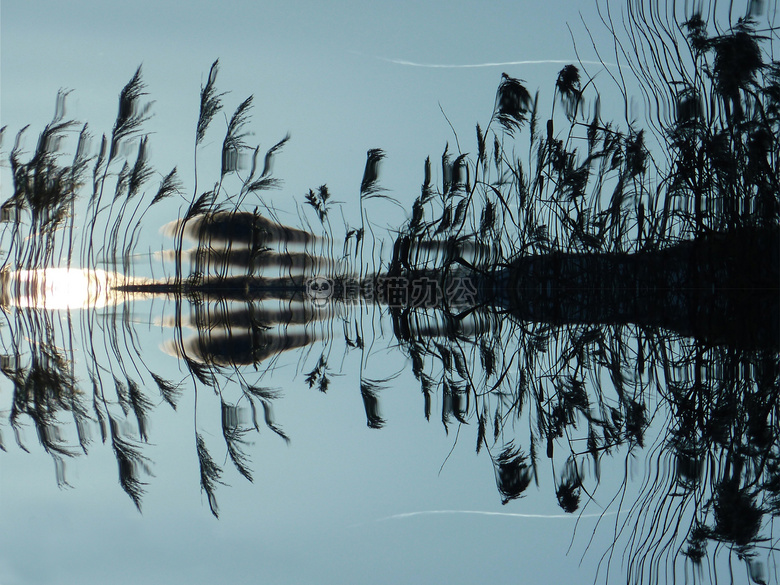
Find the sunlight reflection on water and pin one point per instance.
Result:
(61, 288)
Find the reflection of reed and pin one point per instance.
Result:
(44, 388)
(721, 457)
(590, 392)
(46, 392)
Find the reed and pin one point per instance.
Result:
(554, 304)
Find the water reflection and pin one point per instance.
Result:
(62, 288)
(566, 340)
(230, 335)
(562, 399)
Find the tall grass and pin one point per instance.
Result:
(547, 201)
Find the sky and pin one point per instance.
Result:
(338, 78)
(408, 77)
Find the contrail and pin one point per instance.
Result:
(485, 513)
(494, 64)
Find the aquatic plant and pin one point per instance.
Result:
(554, 304)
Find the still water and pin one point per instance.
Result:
(162, 440)
(541, 349)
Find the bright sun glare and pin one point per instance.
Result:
(60, 288)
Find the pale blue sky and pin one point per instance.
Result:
(317, 70)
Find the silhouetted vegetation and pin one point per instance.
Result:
(558, 293)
